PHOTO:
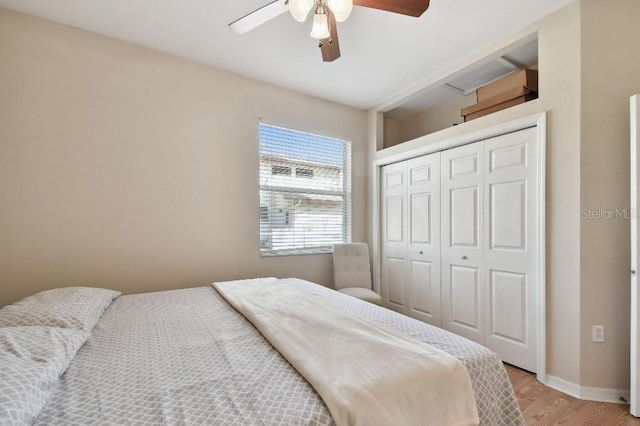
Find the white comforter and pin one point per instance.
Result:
(366, 374)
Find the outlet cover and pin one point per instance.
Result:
(597, 333)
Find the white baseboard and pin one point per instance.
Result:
(563, 386)
(605, 395)
(588, 393)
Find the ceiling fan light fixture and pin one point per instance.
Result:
(320, 27)
(341, 8)
(300, 9)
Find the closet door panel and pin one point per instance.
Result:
(395, 277)
(424, 301)
(462, 241)
(394, 214)
(508, 289)
(511, 247)
(463, 213)
(465, 311)
(508, 215)
(394, 237)
(421, 218)
(423, 249)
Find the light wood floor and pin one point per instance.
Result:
(542, 405)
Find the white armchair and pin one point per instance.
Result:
(352, 271)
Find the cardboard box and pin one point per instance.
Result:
(496, 100)
(527, 79)
(499, 107)
(515, 89)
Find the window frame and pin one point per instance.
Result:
(345, 193)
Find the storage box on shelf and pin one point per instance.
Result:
(515, 89)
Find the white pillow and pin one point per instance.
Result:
(31, 361)
(69, 307)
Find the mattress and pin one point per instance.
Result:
(187, 357)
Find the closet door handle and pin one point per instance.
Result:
(420, 252)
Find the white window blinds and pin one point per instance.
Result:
(305, 191)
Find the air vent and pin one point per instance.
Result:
(482, 76)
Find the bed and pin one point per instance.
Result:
(188, 357)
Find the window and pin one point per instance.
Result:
(305, 173)
(281, 170)
(309, 210)
(264, 213)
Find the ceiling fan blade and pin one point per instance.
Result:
(259, 17)
(331, 46)
(405, 7)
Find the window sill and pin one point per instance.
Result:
(323, 250)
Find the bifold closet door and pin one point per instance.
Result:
(462, 241)
(489, 245)
(423, 252)
(394, 236)
(511, 247)
(410, 270)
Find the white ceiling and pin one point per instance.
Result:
(383, 54)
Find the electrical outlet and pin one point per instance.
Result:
(597, 333)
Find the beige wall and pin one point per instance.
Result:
(610, 75)
(131, 169)
(559, 65)
(391, 131)
(429, 121)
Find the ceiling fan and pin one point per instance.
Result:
(326, 14)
